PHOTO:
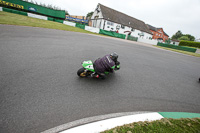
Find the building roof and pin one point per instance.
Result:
(151, 27)
(155, 29)
(121, 18)
(173, 40)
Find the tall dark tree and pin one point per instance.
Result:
(177, 35)
(66, 12)
(44, 5)
(89, 15)
(191, 38)
(184, 38)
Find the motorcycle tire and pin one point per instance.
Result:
(81, 72)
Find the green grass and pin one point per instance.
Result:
(15, 19)
(165, 125)
(180, 51)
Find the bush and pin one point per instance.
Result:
(184, 38)
(189, 43)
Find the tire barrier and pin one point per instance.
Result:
(82, 26)
(69, 23)
(177, 47)
(113, 34)
(132, 38)
(92, 29)
(14, 11)
(37, 16)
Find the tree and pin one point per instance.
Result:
(168, 41)
(184, 38)
(44, 5)
(177, 35)
(89, 15)
(191, 38)
(66, 12)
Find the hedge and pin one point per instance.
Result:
(189, 43)
(177, 47)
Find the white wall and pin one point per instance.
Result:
(92, 29)
(1, 9)
(97, 23)
(153, 42)
(102, 23)
(69, 23)
(147, 36)
(37, 16)
(137, 32)
(97, 13)
(175, 43)
(134, 33)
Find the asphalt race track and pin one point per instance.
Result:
(39, 87)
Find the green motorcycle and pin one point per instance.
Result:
(88, 70)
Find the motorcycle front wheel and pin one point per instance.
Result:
(81, 72)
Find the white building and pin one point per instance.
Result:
(197, 40)
(111, 20)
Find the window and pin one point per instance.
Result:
(132, 29)
(108, 26)
(110, 23)
(122, 26)
(96, 17)
(141, 34)
(118, 27)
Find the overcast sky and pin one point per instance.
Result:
(171, 15)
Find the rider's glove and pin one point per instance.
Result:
(117, 65)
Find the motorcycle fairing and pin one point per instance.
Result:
(88, 65)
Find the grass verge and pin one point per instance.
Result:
(191, 47)
(180, 51)
(15, 19)
(165, 125)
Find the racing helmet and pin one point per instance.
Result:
(114, 56)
